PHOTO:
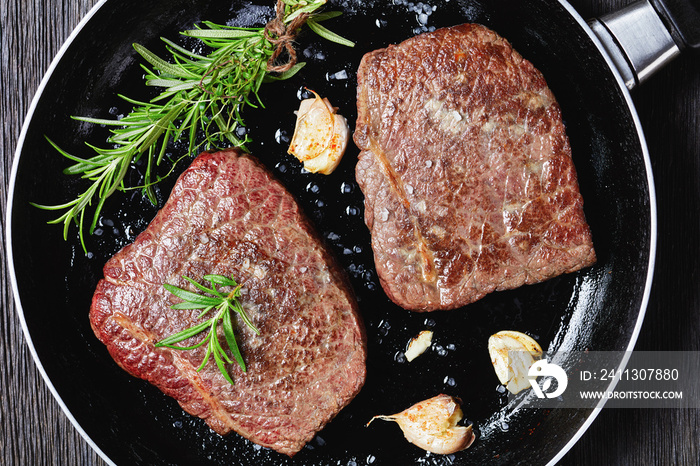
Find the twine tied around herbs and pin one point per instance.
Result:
(282, 37)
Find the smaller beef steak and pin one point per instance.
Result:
(466, 170)
(228, 216)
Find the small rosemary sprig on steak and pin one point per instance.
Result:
(201, 95)
(222, 304)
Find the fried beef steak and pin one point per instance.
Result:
(466, 169)
(227, 215)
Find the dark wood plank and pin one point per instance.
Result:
(34, 430)
(668, 106)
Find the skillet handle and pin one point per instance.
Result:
(682, 17)
(640, 39)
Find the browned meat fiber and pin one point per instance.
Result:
(227, 215)
(466, 170)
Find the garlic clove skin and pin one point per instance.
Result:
(512, 353)
(418, 345)
(328, 160)
(432, 425)
(313, 129)
(320, 135)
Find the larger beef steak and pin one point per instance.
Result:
(466, 170)
(228, 216)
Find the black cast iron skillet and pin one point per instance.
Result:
(129, 422)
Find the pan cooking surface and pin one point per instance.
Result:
(132, 422)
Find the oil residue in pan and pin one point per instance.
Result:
(457, 362)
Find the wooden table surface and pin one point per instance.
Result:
(34, 430)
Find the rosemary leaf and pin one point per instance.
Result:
(163, 65)
(203, 288)
(218, 352)
(184, 335)
(327, 34)
(285, 74)
(200, 95)
(220, 280)
(222, 33)
(326, 15)
(223, 303)
(190, 298)
(231, 341)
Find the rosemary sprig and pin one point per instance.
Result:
(222, 304)
(200, 95)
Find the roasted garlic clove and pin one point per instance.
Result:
(418, 345)
(320, 135)
(512, 353)
(432, 425)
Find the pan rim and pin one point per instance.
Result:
(48, 75)
(652, 226)
(8, 230)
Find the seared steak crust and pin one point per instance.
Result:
(466, 170)
(227, 215)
